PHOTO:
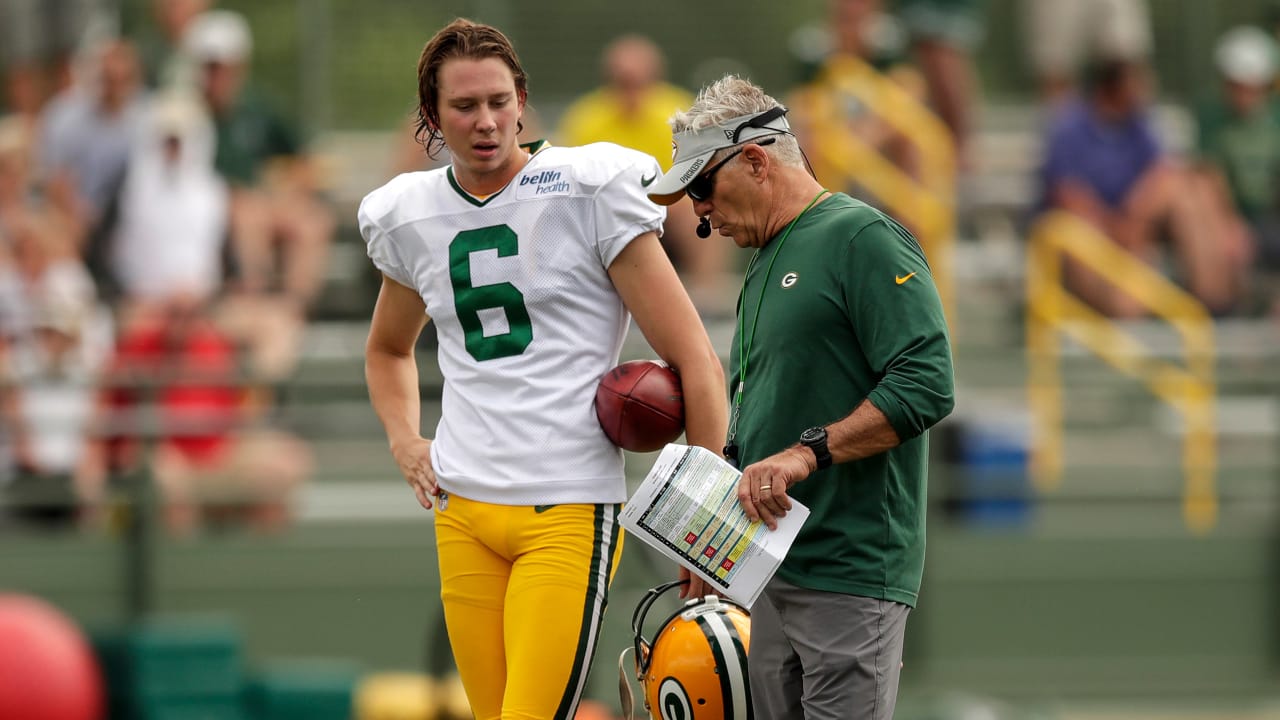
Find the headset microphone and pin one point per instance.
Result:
(704, 227)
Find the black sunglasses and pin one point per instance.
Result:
(700, 188)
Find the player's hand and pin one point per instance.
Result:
(414, 459)
(696, 588)
(762, 489)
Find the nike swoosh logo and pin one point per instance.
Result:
(901, 279)
(647, 181)
(543, 508)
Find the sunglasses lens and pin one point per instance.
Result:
(699, 189)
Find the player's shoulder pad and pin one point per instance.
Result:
(384, 202)
(596, 164)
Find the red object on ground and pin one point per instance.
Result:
(47, 668)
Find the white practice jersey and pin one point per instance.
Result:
(527, 317)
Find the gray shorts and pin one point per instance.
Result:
(824, 656)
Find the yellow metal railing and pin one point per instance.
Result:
(1052, 311)
(841, 157)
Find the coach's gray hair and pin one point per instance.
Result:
(731, 97)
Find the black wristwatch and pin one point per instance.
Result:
(815, 438)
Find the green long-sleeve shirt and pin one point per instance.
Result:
(849, 313)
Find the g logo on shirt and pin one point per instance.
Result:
(789, 279)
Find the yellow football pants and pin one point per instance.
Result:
(524, 590)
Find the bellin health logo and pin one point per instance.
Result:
(545, 182)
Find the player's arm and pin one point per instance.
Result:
(652, 291)
(391, 374)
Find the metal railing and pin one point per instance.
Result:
(841, 157)
(1052, 312)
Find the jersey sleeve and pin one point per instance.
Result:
(895, 309)
(379, 244)
(623, 211)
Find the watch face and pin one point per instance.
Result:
(812, 435)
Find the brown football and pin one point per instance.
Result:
(640, 405)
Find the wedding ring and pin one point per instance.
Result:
(765, 487)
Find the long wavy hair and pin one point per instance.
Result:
(461, 38)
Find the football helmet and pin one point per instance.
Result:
(696, 666)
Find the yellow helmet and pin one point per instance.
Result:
(696, 666)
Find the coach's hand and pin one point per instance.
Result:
(414, 458)
(762, 489)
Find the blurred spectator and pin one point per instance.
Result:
(1060, 36)
(172, 229)
(55, 355)
(38, 41)
(858, 29)
(631, 109)
(944, 34)
(280, 227)
(174, 389)
(37, 244)
(14, 192)
(1239, 140)
(86, 137)
(15, 168)
(1104, 163)
(273, 178)
(633, 106)
(164, 63)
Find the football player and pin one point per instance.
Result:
(531, 259)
